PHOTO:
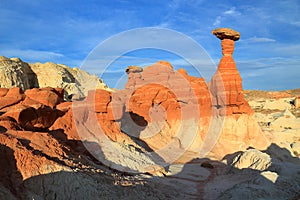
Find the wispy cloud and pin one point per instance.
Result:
(232, 11)
(258, 40)
(217, 21)
(253, 72)
(297, 23)
(164, 24)
(288, 50)
(262, 54)
(31, 55)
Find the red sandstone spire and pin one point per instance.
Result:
(226, 84)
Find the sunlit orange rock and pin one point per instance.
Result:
(47, 96)
(31, 118)
(9, 123)
(226, 84)
(11, 97)
(239, 129)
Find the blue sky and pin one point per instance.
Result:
(267, 55)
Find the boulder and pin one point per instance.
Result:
(253, 159)
(12, 96)
(296, 148)
(33, 119)
(271, 176)
(46, 96)
(285, 121)
(8, 123)
(226, 33)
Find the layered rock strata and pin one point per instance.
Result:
(239, 128)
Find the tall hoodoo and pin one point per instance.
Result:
(226, 84)
(239, 129)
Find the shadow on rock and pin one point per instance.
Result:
(11, 179)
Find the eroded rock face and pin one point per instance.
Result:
(36, 134)
(34, 110)
(25, 150)
(164, 99)
(75, 82)
(16, 73)
(158, 100)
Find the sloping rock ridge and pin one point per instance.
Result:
(75, 82)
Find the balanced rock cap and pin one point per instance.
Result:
(133, 69)
(226, 33)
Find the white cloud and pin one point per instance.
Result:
(31, 55)
(164, 24)
(296, 23)
(174, 5)
(258, 40)
(288, 50)
(231, 11)
(217, 21)
(261, 73)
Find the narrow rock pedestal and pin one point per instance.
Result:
(226, 84)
